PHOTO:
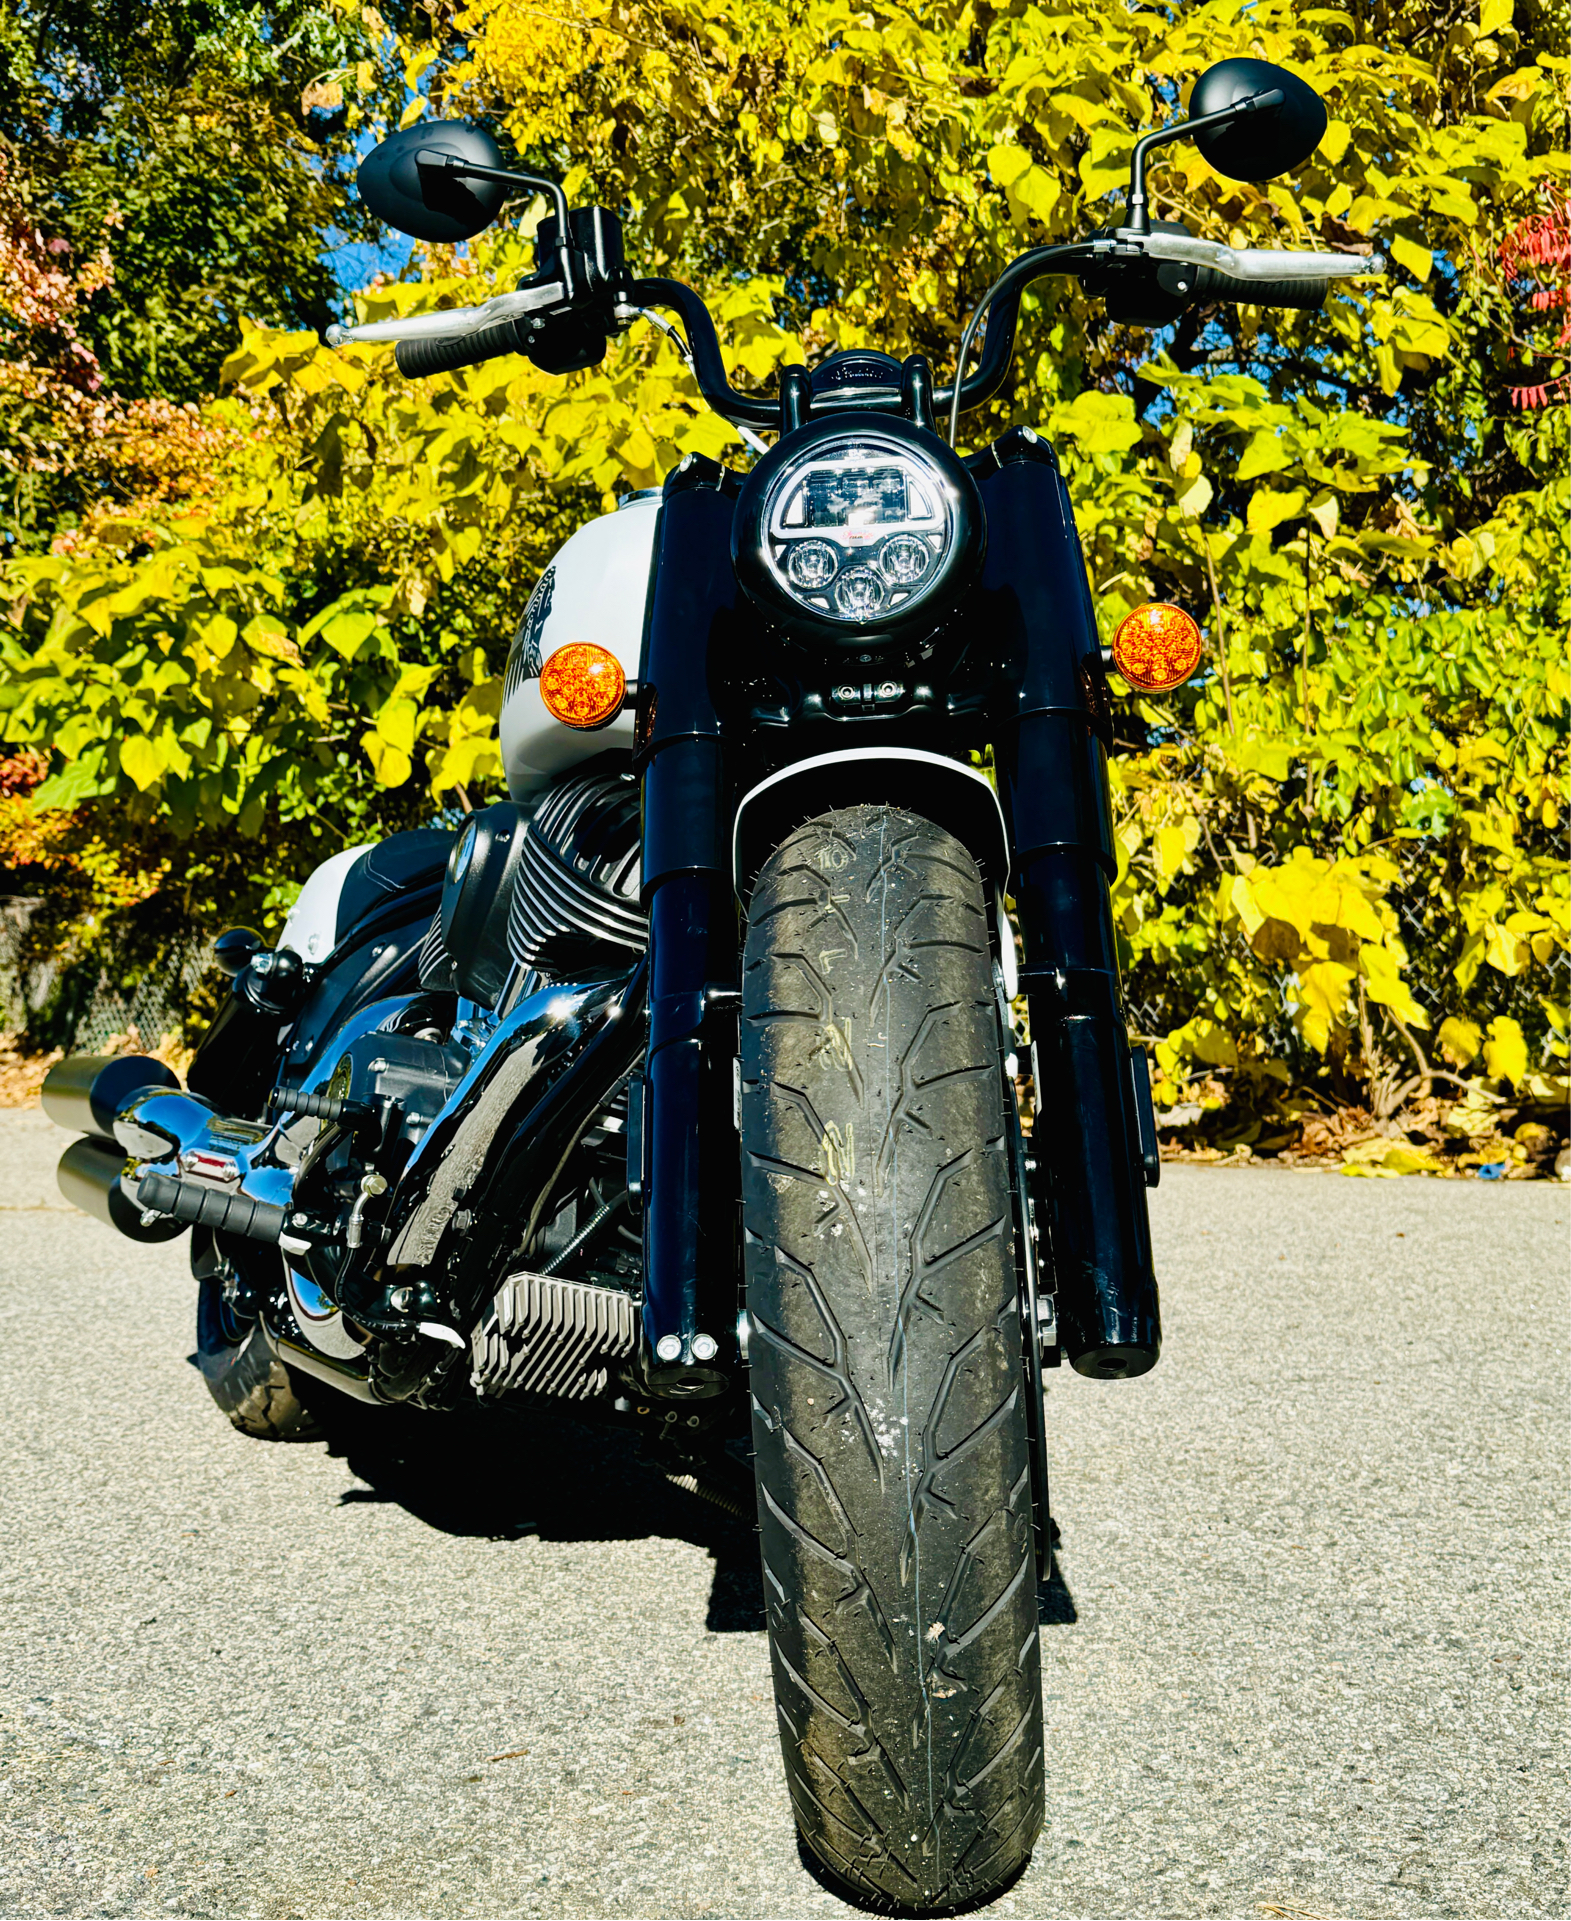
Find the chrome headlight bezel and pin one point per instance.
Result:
(858, 530)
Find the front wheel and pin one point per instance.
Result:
(892, 1447)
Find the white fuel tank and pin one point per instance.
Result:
(596, 588)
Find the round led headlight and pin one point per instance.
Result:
(858, 531)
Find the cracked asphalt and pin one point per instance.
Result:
(1306, 1653)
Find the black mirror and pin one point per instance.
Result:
(233, 950)
(409, 182)
(1257, 146)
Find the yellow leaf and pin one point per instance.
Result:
(1241, 898)
(638, 450)
(1504, 952)
(218, 634)
(1494, 14)
(396, 722)
(1323, 989)
(1417, 260)
(1179, 447)
(1411, 1160)
(1006, 164)
(1334, 141)
(1268, 509)
(141, 760)
(1459, 1039)
(1195, 498)
(1037, 191)
(1171, 849)
(1323, 510)
(391, 765)
(270, 637)
(1505, 1052)
(1383, 984)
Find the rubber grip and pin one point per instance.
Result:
(206, 1207)
(1309, 294)
(324, 1107)
(419, 358)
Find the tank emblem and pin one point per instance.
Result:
(523, 661)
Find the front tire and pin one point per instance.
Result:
(892, 1450)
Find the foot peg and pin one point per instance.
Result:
(200, 1206)
(321, 1107)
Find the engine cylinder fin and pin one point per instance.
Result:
(575, 908)
(548, 1336)
(434, 964)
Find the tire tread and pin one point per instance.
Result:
(889, 1421)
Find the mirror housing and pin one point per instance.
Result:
(408, 183)
(1256, 146)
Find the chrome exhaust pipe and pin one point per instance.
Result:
(89, 1177)
(87, 1093)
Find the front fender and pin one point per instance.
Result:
(946, 792)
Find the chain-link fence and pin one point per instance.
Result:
(79, 1000)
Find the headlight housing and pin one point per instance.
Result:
(858, 531)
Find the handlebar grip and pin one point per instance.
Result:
(1211, 285)
(445, 355)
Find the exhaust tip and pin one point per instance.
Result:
(86, 1093)
(89, 1177)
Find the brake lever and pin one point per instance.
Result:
(453, 323)
(1253, 263)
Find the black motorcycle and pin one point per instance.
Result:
(678, 1090)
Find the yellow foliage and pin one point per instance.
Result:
(1505, 1051)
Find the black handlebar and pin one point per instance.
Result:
(446, 353)
(1211, 285)
(704, 343)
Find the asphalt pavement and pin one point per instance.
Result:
(1306, 1653)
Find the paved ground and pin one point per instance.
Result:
(1307, 1655)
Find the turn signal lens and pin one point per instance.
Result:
(1157, 647)
(583, 685)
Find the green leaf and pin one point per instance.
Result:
(1265, 454)
(140, 758)
(1098, 423)
(82, 780)
(1006, 164)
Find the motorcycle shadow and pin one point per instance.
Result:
(503, 1476)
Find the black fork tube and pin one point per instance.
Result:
(691, 1173)
(1052, 778)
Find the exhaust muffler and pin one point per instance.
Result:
(89, 1176)
(86, 1094)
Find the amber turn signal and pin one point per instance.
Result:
(1157, 647)
(583, 685)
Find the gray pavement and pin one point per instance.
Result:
(1307, 1654)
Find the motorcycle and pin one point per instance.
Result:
(678, 1089)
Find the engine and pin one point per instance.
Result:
(375, 1200)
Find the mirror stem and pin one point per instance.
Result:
(428, 161)
(1137, 219)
